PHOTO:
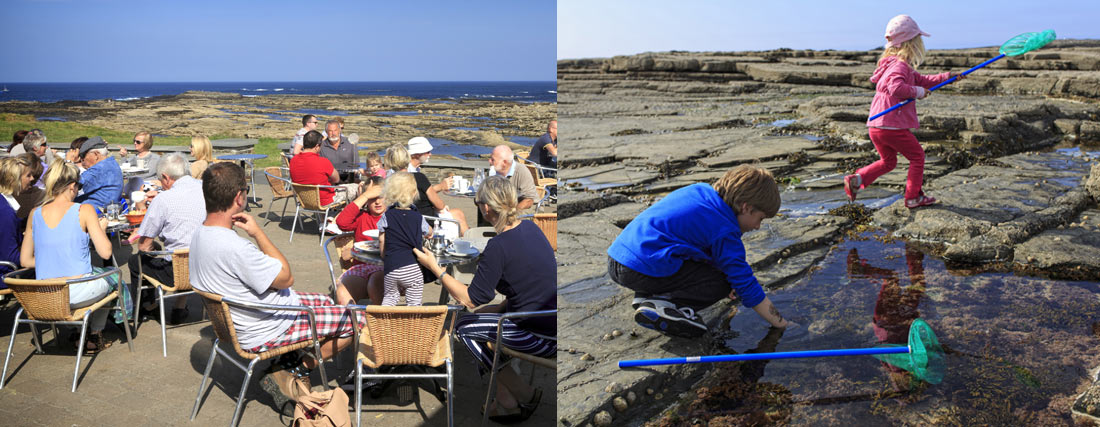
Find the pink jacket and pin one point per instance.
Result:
(894, 82)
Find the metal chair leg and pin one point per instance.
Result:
(163, 331)
(269, 206)
(205, 375)
(294, 224)
(36, 338)
(244, 388)
(492, 384)
(451, 394)
(358, 391)
(126, 323)
(324, 225)
(80, 348)
(11, 342)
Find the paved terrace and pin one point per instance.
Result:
(144, 389)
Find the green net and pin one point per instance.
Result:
(1027, 42)
(925, 357)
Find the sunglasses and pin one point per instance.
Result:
(137, 141)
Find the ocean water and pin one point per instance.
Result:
(447, 91)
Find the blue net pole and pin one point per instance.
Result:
(762, 356)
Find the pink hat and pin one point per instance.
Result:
(901, 29)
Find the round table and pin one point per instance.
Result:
(246, 158)
(132, 172)
(448, 262)
(453, 193)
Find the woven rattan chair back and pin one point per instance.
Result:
(534, 172)
(181, 271)
(222, 321)
(343, 245)
(404, 335)
(44, 300)
(278, 187)
(309, 196)
(548, 223)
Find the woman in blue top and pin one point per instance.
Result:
(14, 179)
(684, 253)
(519, 264)
(56, 244)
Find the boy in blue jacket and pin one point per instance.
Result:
(684, 253)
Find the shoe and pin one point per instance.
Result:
(921, 200)
(331, 228)
(95, 343)
(282, 386)
(368, 383)
(666, 317)
(851, 186)
(179, 315)
(513, 418)
(528, 409)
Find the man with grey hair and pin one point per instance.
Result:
(173, 215)
(503, 163)
(35, 142)
(102, 178)
(344, 157)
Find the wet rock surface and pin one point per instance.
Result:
(638, 127)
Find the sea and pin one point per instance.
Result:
(516, 91)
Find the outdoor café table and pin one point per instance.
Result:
(453, 193)
(131, 172)
(247, 159)
(446, 261)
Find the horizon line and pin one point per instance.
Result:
(301, 81)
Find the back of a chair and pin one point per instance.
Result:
(534, 171)
(222, 321)
(404, 335)
(308, 195)
(548, 223)
(45, 300)
(278, 182)
(522, 155)
(181, 270)
(343, 244)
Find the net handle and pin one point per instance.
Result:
(763, 356)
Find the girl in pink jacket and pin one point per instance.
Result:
(895, 81)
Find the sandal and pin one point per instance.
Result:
(95, 343)
(513, 418)
(851, 186)
(921, 200)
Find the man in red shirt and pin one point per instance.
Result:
(308, 167)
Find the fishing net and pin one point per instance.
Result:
(1027, 42)
(925, 356)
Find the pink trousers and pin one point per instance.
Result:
(888, 143)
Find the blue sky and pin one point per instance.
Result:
(617, 27)
(276, 40)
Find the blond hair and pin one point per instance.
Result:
(58, 177)
(11, 172)
(499, 194)
(146, 140)
(911, 51)
(400, 189)
(397, 157)
(373, 157)
(752, 185)
(203, 150)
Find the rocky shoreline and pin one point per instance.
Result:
(374, 118)
(637, 127)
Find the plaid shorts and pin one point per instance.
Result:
(332, 321)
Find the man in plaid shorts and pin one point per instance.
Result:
(226, 264)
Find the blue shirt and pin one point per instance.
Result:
(101, 184)
(692, 223)
(10, 236)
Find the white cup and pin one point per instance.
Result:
(137, 197)
(462, 246)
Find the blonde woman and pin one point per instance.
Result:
(429, 202)
(519, 264)
(400, 230)
(14, 179)
(203, 154)
(55, 244)
(143, 144)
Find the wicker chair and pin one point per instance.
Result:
(181, 279)
(400, 335)
(47, 302)
(222, 321)
(546, 362)
(309, 200)
(548, 223)
(279, 180)
(342, 243)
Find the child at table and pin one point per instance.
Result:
(374, 165)
(401, 229)
(361, 215)
(685, 252)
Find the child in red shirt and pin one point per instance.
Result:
(360, 215)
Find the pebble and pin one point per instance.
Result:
(659, 396)
(616, 333)
(649, 391)
(994, 187)
(572, 350)
(602, 419)
(1057, 239)
(1030, 259)
(613, 388)
(631, 397)
(633, 333)
(607, 337)
(620, 404)
(587, 357)
(1085, 217)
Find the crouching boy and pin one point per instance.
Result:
(684, 253)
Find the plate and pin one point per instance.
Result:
(368, 246)
(471, 253)
(371, 233)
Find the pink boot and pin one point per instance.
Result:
(851, 186)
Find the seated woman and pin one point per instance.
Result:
(360, 215)
(143, 143)
(519, 263)
(55, 244)
(14, 179)
(73, 155)
(31, 195)
(203, 153)
(399, 158)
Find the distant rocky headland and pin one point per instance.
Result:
(1012, 157)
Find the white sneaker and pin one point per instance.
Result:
(666, 317)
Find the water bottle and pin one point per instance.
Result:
(479, 176)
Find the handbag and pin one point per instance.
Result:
(327, 408)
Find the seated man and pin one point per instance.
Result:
(226, 264)
(503, 162)
(344, 156)
(308, 167)
(101, 181)
(545, 151)
(172, 215)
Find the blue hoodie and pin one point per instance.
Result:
(692, 223)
